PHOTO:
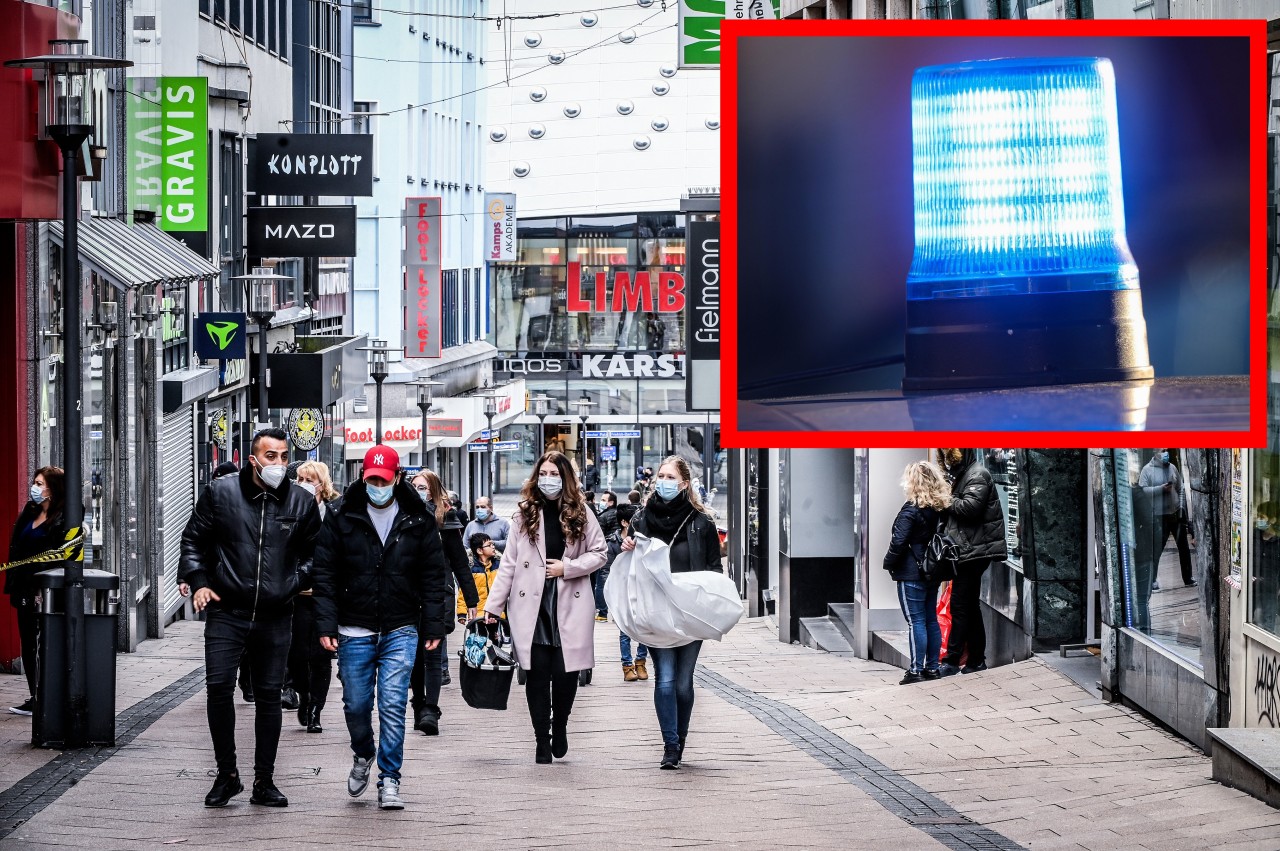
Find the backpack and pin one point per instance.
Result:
(940, 555)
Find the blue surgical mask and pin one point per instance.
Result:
(1261, 524)
(380, 496)
(482, 514)
(37, 493)
(1164, 457)
(667, 489)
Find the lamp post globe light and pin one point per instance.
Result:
(425, 389)
(260, 296)
(377, 353)
(69, 120)
(583, 407)
(540, 406)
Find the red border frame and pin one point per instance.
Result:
(1253, 437)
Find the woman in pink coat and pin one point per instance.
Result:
(545, 584)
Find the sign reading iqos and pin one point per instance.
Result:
(700, 22)
(168, 166)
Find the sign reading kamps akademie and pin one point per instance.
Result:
(500, 227)
(302, 231)
(311, 164)
(421, 299)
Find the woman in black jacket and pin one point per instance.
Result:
(975, 521)
(675, 515)
(927, 495)
(431, 666)
(40, 527)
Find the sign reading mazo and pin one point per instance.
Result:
(311, 164)
(422, 278)
(302, 231)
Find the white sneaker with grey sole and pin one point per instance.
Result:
(389, 795)
(358, 779)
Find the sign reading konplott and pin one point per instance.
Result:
(422, 278)
(702, 321)
(302, 231)
(311, 164)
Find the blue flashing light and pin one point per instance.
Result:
(1017, 179)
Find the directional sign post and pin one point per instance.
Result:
(595, 434)
(624, 434)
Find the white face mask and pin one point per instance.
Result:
(308, 487)
(550, 486)
(272, 476)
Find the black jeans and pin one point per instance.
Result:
(967, 629)
(310, 665)
(549, 689)
(1171, 525)
(265, 643)
(28, 633)
(427, 675)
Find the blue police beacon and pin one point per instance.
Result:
(1022, 274)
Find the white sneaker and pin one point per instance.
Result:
(389, 795)
(358, 779)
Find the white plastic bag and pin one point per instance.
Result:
(661, 609)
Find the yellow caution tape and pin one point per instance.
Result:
(71, 549)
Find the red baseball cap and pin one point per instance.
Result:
(381, 461)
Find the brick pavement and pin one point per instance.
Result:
(1019, 749)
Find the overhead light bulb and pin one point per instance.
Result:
(1022, 273)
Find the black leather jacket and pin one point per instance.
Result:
(250, 546)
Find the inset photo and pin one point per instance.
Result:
(994, 227)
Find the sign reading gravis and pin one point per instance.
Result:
(700, 22)
(421, 303)
(311, 164)
(702, 322)
(500, 224)
(302, 231)
(168, 165)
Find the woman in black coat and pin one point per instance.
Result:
(39, 528)
(674, 515)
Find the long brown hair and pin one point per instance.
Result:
(56, 480)
(436, 493)
(573, 511)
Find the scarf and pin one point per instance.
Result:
(663, 519)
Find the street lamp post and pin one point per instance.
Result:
(260, 296)
(425, 387)
(584, 411)
(68, 110)
(377, 350)
(539, 406)
(490, 411)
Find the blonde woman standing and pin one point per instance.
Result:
(928, 494)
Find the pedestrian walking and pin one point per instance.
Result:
(590, 476)
(975, 522)
(243, 554)
(40, 527)
(485, 561)
(431, 665)
(607, 514)
(379, 575)
(487, 522)
(676, 516)
(928, 494)
(634, 667)
(310, 665)
(544, 583)
(1165, 516)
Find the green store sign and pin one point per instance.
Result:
(700, 22)
(168, 171)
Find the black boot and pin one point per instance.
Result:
(313, 720)
(680, 750)
(266, 794)
(224, 789)
(288, 699)
(559, 738)
(543, 754)
(427, 720)
(304, 711)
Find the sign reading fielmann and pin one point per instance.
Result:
(702, 322)
(311, 164)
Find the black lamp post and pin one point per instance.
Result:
(68, 115)
(377, 350)
(584, 411)
(491, 411)
(540, 406)
(261, 298)
(425, 386)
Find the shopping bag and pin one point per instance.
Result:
(944, 614)
(661, 609)
(486, 664)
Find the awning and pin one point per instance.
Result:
(134, 255)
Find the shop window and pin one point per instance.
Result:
(1264, 531)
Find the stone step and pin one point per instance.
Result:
(823, 634)
(844, 615)
(1247, 759)
(891, 647)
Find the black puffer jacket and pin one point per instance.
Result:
(912, 529)
(704, 541)
(360, 582)
(249, 545)
(976, 520)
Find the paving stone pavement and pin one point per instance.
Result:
(778, 738)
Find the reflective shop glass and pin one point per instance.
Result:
(1262, 526)
(1003, 466)
(1155, 544)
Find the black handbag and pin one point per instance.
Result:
(484, 677)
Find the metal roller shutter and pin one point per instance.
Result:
(177, 498)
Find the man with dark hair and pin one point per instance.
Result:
(608, 517)
(245, 551)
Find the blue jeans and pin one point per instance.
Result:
(919, 602)
(384, 661)
(597, 586)
(624, 646)
(673, 691)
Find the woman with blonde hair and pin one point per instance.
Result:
(310, 666)
(928, 494)
(674, 515)
(544, 583)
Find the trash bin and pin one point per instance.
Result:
(101, 602)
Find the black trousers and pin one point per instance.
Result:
(310, 665)
(967, 629)
(1171, 525)
(550, 690)
(265, 644)
(28, 633)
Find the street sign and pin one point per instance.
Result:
(608, 453)
(624, 433)
(498, 446)
(597, 434)
(478, 447)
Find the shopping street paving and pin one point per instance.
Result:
(789, 747)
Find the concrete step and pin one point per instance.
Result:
(843, 614)
(822, 634)
(1247, 759)
(891, 647)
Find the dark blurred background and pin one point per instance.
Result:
(825, 205)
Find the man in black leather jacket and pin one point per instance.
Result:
(245, 553)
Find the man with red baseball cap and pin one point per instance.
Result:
(380, 572)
